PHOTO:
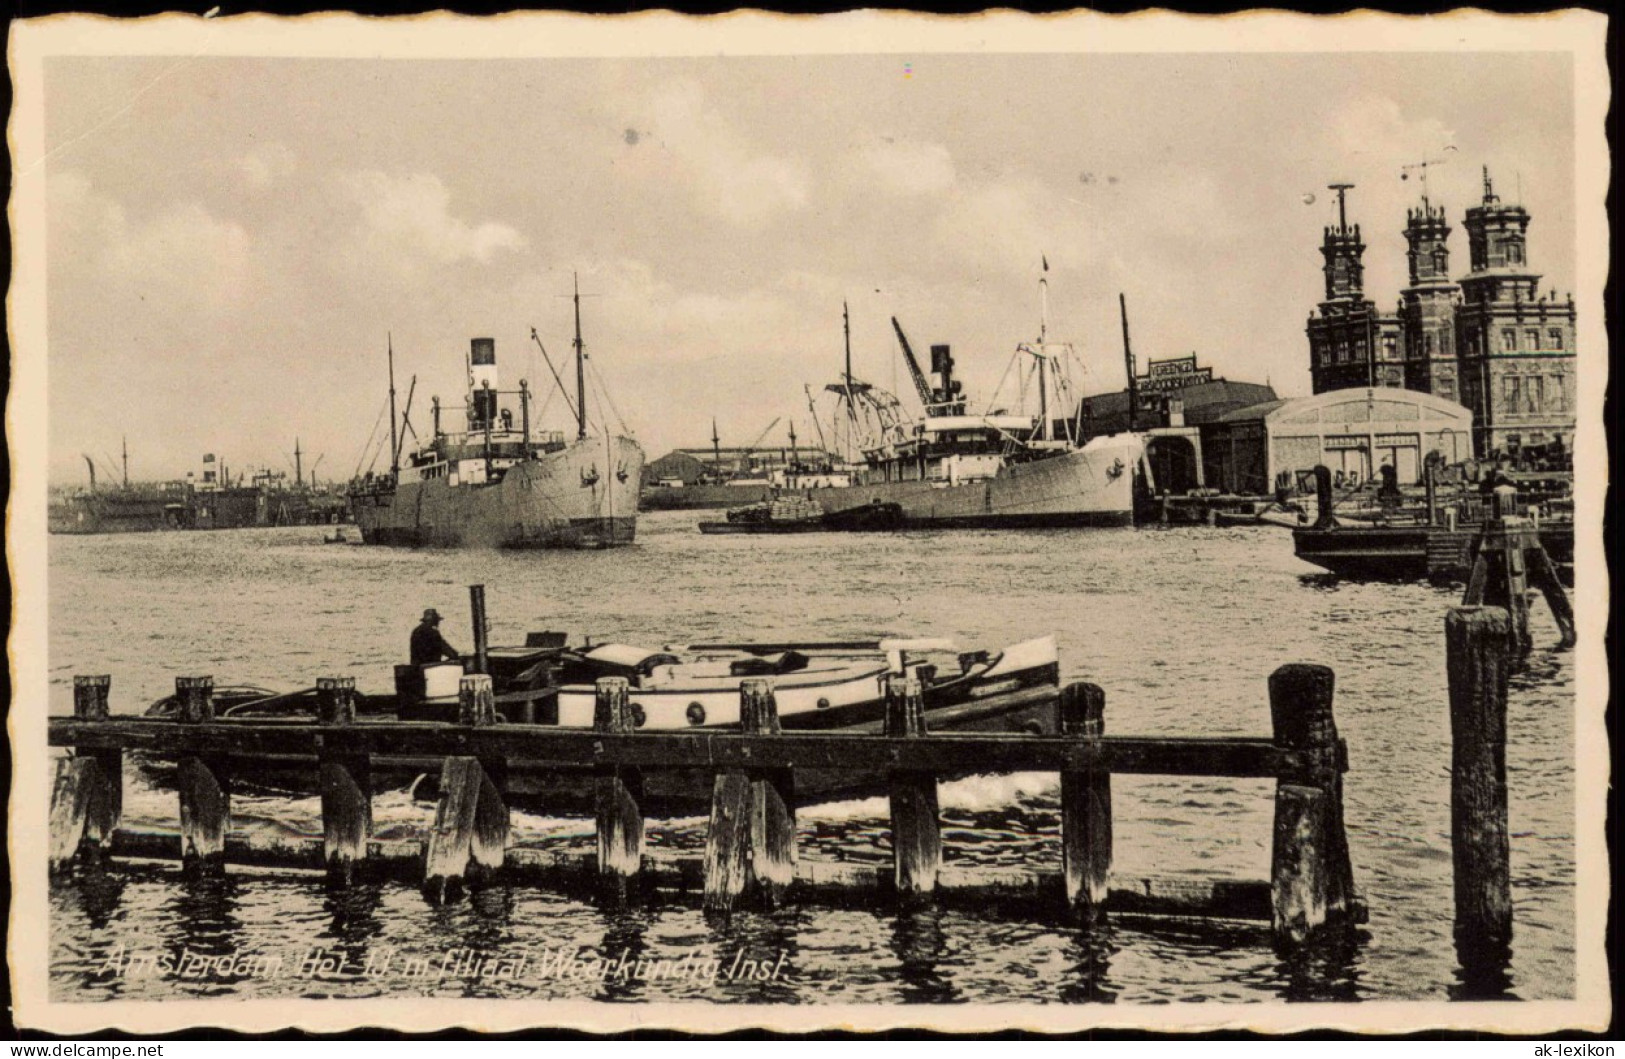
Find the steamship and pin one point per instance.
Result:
(500, 483)
(953, 469)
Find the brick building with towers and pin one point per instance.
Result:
(1490, 340)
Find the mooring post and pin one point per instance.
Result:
(1086, 807)
(482, 628)
(470, 835)
(203, 785)
(1311, 878)
(772, 800)
(476, 700)
(1478, 648)
(1543, 575)
(346, 785)
(616, 793)
(916, 838)
(70, 802)
(106, 803)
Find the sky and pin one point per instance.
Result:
(233, 243)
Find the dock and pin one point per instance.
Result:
(750, 858)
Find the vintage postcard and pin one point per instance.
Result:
(867, 520)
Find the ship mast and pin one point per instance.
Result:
(1128, 362)
(394, 441)
(581, 367)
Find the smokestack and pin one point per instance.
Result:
(482, 368)
(945, 388)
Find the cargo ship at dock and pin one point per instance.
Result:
(952, 469)
(499, 483)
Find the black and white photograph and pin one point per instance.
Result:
(863, 520)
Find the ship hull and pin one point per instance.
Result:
(584, 496)
(1090, 486)
(701, 497)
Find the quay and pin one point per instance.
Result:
(750, 857)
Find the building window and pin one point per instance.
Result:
(1531, 338)
(1390, 347)
(1560, 395)
(1535, 394)
(1447, 389)
(1511, 392)
(1509, 339)
(1554, 338)
(1342, 351)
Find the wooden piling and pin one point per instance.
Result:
(194, 698)
(616, 793)
(346, 786)
(1543, 575)
(335, 700)
(476, 700)
(1311, 877)
(772, 793)
(1086, 808)
(205, 814)
(727, 841)
(470, 835)
(1478, 647)
(202, 784)
(106, 804)
(71, 792)
(916, 835)
(482, 628)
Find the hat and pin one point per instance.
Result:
(431, 615)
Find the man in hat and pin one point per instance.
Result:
(428, 646)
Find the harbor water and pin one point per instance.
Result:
(1180, 626)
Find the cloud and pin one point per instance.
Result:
(183, 258)
(726, 174)
(909, 168)
(266, 165)
(1377, 125)
(404, 225)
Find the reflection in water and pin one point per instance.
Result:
(205, 924)
(919, 942)
(1089, 954)
(1484, 972)
(98, 891)
(353, 922)
(1328, 968)
(624, 944)
(759, 956)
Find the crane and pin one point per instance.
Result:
(744, 456)
(921, 385)
(813, 409)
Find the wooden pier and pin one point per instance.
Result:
(751, 857)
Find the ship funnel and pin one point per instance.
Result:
(945, 388)
(482, 381)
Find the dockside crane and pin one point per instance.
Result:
(922, 385)
(745, 455)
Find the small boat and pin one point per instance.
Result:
(794, 514)
(823, 686)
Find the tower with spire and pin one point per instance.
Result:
(1427, 307)
(1350, 343)
(1491, 341)
(1516, 345)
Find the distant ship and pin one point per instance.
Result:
(123, 508)
(500, 483)
(954, 469)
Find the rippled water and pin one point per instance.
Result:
(1180, 626)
